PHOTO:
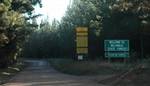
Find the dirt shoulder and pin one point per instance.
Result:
(9, 72)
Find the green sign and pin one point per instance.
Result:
(117, 54)
(116, 45)
(116, 48)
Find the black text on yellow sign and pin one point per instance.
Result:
(82, 40)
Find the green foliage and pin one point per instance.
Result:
(105, 19)
(12, 23)
(137, 7)
(44, 42)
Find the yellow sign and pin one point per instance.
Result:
(82, 50)
(82, 40)
(81, 29)
(82, 34)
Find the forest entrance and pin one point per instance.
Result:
(45, 29)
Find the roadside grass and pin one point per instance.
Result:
(7, 73)
(136, 75)
(73, 67)
(139, 77)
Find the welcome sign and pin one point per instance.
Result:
(116, 48)
(116, 45)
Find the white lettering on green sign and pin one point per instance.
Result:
(117, 54)
(116, 45)
(116, 48)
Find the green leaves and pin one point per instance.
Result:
(14, 19)
(7, 2)
(13, 27)
(3, 8)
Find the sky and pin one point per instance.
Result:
(52, 9)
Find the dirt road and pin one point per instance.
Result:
(40, 73)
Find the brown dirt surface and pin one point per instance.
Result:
(40, 73)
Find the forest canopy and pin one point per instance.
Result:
(105, 19)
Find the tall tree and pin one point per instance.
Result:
(12, 23)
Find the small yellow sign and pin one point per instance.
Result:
(82, 41)
(82, 34)
(82, 50)
(82, 29)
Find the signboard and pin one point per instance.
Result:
(116, 48)
(117, 54)
(82, 50)
(81, 29)
(82, 40)
(80, 57)
(116, 45)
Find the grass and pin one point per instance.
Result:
(122, 76)
(136, 78)
(72, 67)
(7, 73)
(139, 76)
